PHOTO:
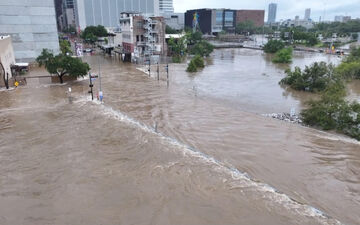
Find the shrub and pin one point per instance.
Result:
(273, 46)
(354, 55)
(349, 70)
(202, 48)
(332, 112)
(199, 61)
(315, 78)
(192, 67)
(177, 59)
(283, 56)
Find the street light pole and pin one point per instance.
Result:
(99, 74)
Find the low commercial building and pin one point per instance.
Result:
(308, 24)
(7, 59)
(213, 21)
(175, 20)
(142, 35)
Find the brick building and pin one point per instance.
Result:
(256, 16)
(142, 35)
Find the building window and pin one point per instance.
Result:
(139, 25)
(219, 18)
(229, 19)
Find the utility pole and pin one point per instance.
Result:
(149, 67)
(91, 85)
(167, 74)
(91, 88)
(100, 74)
(158, 71)
(100, 90)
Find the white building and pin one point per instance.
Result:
(32, 26)
(175, 20)
(308, 24)
(166, 6)
(7, 58)
(107, 12)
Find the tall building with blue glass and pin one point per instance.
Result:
(272, 13)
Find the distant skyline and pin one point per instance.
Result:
(286, 9)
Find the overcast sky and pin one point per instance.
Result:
(286, 8)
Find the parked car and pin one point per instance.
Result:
(89, 50)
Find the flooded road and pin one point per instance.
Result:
(208, 162)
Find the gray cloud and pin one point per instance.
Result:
(286, 8)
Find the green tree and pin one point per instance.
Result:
(354, 55)
(90, 38)
(192, 67)
(193, 37)
(177, 49)
(283, 56)
(202, 48)
(62, 65)
(170, 30)
(245, 27)
(65, 47)
(332, 112)
(91, 31)
(311, 40)
(349, 70)
(199, 61)
(273, 46)
(354, 36)
(314, 78)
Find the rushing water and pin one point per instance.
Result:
(208, 162)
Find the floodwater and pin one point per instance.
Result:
(210, 160)
(247, 79)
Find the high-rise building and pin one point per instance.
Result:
(307, 14)
(272, 13)
(166, 6)
(107, 12)
(31, 25)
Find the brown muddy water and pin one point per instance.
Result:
(211, 160)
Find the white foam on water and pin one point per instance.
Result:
(334, 137)
(245, 181)
(10, 89)
(323, 134)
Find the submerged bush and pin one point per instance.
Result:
(332, 112)
(349, 70)
(283, 56)
(273, 46)
(199, 61)
(192, 67)
(202, 48)
(314, 78)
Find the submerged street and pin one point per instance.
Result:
(212, 159)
